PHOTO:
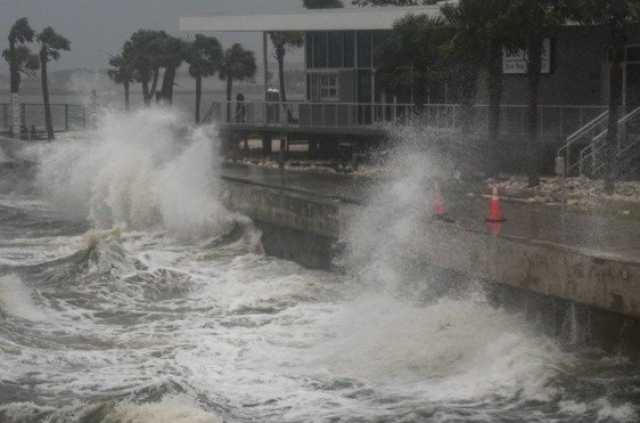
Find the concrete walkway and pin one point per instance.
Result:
(592, 235)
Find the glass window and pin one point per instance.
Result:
(364, 49)
(319, 49)
(633, 54)
(328, 86)
(336, 47)
(308, 50)
(364, 86)
(379, 38)
(349, 49)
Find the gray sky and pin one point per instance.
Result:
(97, 28)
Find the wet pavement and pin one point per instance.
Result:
(595, 235)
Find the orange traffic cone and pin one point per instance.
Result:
(439, 209)
(495, 209)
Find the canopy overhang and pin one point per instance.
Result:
(318, 20)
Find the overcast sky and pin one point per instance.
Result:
(97, 28)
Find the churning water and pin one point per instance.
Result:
(128, 293)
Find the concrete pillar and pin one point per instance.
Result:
(284, 146)
(266, 144)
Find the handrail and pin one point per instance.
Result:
(586, 128)
(596, 144)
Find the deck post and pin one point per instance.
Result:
(284, 146)
(266, 138)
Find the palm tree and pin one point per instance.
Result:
(50, 45)
(121, 72)
(238, 64)
(533, 21)
(322, 4)
(204, 56)
(411, 57)
(145, 48)
(480, 34)
(20, 59)
(172, 53)
(282, 40)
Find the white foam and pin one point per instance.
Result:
(16, 299)
(177, 409)
(619, 413)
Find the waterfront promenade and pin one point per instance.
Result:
(601, 236)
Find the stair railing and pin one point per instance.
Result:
(585, 131)
(592, 156)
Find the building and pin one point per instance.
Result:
(344, 96)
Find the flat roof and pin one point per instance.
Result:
(316, 20)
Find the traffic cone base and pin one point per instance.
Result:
(439, 209)
(495, 209)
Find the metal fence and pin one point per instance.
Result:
(65, 117)
(553, 120)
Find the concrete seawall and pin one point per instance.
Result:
(537, 276)
(606, 282)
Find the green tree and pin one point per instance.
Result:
(322, 4)
(618, 16)
(411, 57)
(121, 72)
(531, 22)
(281, 41)
(204, 56)
(51, 43)
(481, 32)
(172, 52)
(20, 60)
(237, 64)
(145, 49)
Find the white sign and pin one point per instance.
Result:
(515, 62)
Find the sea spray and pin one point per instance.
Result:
(383, 237)
(142, 170)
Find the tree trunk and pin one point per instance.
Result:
(154, 85)
(145, 92)
(168, 80)
(229, 89)
(534, 53)
(495, 86)
(469, 84)
(280, 57)
(45, 97)
(616, 57)
(198, 97)
(419, 94)
(14, 126)
(127, 101)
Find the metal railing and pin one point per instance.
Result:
(592, 158)
(65, 117)
(584, 132)
(554, 120)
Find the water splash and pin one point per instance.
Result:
(141, 170)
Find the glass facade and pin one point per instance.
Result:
(349, 49)
(320, 42)
(337, 49)
(329, 53)
(365, 49)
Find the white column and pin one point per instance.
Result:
(265, 51)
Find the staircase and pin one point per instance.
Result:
(569, 152)
(591, 159)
